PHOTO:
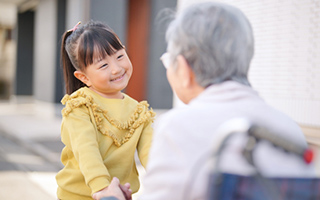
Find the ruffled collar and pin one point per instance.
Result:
(141, 115)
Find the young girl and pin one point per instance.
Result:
(101, 126)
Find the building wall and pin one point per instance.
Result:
(24, 69)
(113, 13)
(159, 93)
(77, 10)
(45, 50)
(60, 29)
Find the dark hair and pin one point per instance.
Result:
(80, 47)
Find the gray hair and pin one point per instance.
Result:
(215, 39)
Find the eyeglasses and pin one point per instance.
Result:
(165, 58)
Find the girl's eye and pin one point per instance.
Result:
(120, 56)
(104, 65)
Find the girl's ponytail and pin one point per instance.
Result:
(71, 82)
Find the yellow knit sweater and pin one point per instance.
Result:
(101, 136)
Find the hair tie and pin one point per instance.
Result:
(74, 28)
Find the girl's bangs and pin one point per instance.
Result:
(96, 45)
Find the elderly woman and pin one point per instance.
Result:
(210, 47)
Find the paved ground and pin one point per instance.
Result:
(29, 151)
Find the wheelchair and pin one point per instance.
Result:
(228, 186)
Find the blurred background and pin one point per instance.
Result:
(285, 70)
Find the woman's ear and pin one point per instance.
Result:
(185, 72)
(82, 77)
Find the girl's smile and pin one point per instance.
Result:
(119, 78)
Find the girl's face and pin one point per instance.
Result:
(110, 75)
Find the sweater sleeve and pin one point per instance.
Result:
(80, 136)
(145, 143)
